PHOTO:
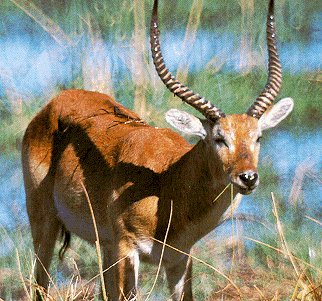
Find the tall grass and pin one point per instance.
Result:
(269, 264)
(139, 61)
(139, 88)
(189, 38)
(276, 258)
(117, 16)
(233, 93)
(247, 35)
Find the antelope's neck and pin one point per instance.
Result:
(193, 185)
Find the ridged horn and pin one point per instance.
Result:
(274, 82)
(195, 100)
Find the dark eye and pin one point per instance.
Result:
(259, 139)
(221, 141)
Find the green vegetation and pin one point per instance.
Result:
(235, 92)
(265, 261)
(273, 258)
(232, 92)
(116, 17)
(67, 21)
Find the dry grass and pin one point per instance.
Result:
(97, 244)
(290, 278)
(287, 278)
(44, 21)
(257, 284)
(189, 38)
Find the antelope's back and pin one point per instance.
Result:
(81, 132)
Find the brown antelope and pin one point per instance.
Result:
(135, 175)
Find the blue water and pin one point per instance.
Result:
(285, 153)
(34, 64)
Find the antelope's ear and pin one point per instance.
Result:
(185, 123)
(276, 114)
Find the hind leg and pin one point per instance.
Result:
(44, 228)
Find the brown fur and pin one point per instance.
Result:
(132, 172)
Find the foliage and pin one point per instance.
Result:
(231, 92)
(116, 16)
(255, 258)
(257, 266)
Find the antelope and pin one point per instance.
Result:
(85, 146)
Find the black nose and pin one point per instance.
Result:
(249, 178)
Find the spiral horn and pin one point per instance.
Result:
(274, 82)
(195, 100)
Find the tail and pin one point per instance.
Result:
(66, 237)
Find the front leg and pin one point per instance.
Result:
(121, 280)
(179, 280)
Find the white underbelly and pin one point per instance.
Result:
(79, 223)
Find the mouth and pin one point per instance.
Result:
(243, 189)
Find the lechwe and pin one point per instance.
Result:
(135, 174)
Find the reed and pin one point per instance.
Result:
(97, 244)
(189, 39)
(44, 21)
(275, 251)
(284, 275)
(96, 67)
(138, 59)
(247, 35)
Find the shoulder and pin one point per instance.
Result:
(152, 148)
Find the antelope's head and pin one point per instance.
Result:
(234, 140)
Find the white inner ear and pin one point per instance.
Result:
(185, 123)
(276, 114)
